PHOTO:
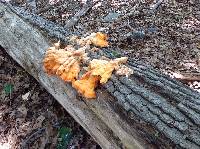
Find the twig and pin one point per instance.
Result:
(120, 18)
(31, 5)
(35, 135)
(86, 7)
(188, 77)
(32, 91)
(155, 6)
(136, 10)
(44, 9)
(132, 12)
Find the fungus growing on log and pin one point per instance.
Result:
(63, 62)
(66, 62)
(97, 39)
(86, 85)
(104, 68)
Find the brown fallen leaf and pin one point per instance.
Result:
(38, 122)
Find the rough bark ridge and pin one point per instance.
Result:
(163, 111)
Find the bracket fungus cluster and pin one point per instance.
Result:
(97, 39)
(67, 64)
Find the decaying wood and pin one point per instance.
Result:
(50, 28)
(27, 46)
(146, 109)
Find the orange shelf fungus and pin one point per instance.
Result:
(63, 62)
(86, 85)
(66, 63)
(104, 68)
(99, 39)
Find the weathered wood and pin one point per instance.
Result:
(27, 46)
(147, 108)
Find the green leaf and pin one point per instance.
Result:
(64, 137)
(8, 88)
(115, 54)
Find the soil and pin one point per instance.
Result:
(29, 116)
(167, 38)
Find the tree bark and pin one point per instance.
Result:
(146, 110)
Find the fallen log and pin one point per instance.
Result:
(146, 110)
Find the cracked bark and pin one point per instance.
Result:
(147, 109)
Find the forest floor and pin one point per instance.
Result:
(30, 117)
(166, 37)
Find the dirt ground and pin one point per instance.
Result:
(167, 38)
(29, 116)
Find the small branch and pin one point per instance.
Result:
(188, 76)
(86, 7)
(31, 5)
(44, 9)
(156, 5)
(133, 11)
(136, 10)
(35, 135)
